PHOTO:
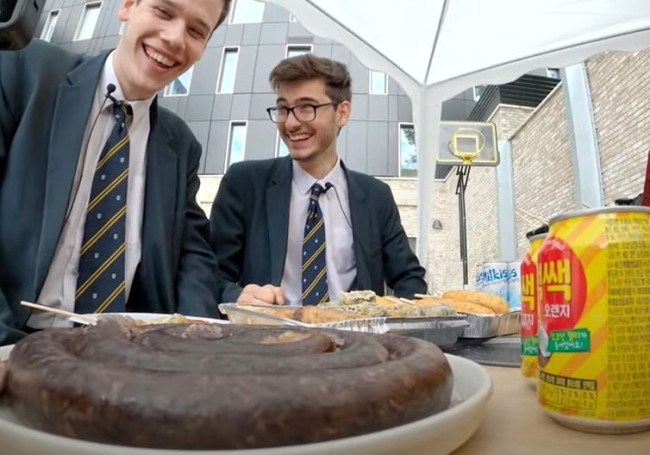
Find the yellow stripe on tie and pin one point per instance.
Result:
(314, 283)
(325, 298)
(113, 295)
(112, 152)
(102, 268)
(311, 232)
(313, 256)
(108, 189)
(91, 241)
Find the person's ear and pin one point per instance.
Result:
(125, 9)
(343, 113)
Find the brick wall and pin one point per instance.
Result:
(620, 84)
(543, 174)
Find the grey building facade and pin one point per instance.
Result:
(224, 97)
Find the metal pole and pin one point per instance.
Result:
(463, 176)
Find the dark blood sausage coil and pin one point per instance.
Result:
(221, 386)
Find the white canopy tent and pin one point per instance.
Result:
(437, 48)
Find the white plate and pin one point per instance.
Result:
(439, 434)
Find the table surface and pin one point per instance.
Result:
(515, 423)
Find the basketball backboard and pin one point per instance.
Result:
(468, 143)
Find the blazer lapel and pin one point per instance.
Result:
(161, 198)
(360, 219)
(71, 110)
(278, 198)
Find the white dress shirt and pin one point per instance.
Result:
(339, 253)
(61, 281)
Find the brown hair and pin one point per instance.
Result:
(307, 66)
(224, 13)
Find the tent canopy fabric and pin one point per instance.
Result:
(437, 48)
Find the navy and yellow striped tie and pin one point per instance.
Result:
(101, 284)
(314, 266)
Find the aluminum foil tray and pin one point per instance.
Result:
(442, 330)
(492, 325)
(239, 315)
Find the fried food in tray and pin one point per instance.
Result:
(487, 314)
(170, 319)
(388, 307)
(316, 315)
(490, 301)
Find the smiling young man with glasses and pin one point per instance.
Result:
(301, 229)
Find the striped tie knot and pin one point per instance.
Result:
(121, 111)
(317, 190)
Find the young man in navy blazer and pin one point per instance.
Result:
(259, 216)
(56, 116)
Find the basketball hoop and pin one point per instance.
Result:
(466, 144)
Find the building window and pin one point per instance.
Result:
(228, 71)
(553, 72)
(378, 85)
(408, 155)
(181, 85)
(236, 143)
(88, 21)
(299, 49)
(247, 11)
(50, 23)
(477, 91)
(281, 148)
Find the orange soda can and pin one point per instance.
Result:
(594, 320)
(529, 299)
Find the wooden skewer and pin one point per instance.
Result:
(392, 299)
(70, 314)
(425, 296)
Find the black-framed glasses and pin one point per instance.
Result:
(302, 112)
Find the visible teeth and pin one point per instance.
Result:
(299, 137)
(159, 57)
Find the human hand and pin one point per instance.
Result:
(261, 295)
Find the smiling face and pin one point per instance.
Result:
(312, 144)
(161, 40)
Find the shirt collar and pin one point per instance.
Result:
(109, 77)
(304, 181)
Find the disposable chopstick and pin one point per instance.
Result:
(77, 317)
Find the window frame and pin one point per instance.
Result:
(84, 14)
(233, 10)
(476, 96)
(166, 93)
(231, 126)
(48, 25)
(224, 51)
(296, 46)
(385, 92)
(401, 125)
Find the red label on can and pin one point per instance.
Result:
(563, 285)
(528, 297)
